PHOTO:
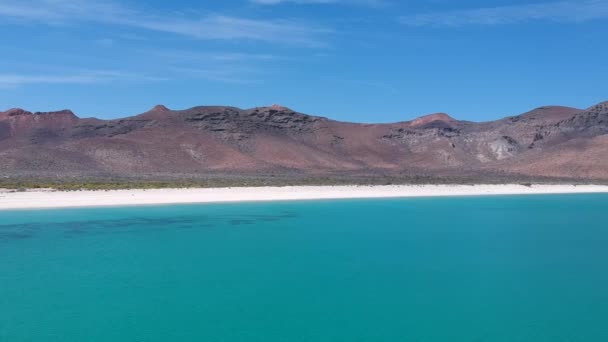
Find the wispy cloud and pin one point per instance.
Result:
(55, 11)
(371, 3)
(12, 80)
(562, 11)
(208, 26)
(230, 28)
(212, 57)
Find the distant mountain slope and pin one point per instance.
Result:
(548, 141)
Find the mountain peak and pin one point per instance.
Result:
(22, 112)
(548, 114)
(15, 112)
(160, 108)
(278, 107)
(423, 120)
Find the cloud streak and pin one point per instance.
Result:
(205, 27)
(370, 3)
(217, 27)
(562, 12)
(12, 80)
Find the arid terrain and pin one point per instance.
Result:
(276, 142)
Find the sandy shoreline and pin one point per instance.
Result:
(65, 199)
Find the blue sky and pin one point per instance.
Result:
(355, 60)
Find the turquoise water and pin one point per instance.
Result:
(446, 269)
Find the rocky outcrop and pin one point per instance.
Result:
(594, 120)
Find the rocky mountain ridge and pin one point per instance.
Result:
(549, 141)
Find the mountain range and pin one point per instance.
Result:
(547, 142)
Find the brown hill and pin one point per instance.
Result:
(546, 142)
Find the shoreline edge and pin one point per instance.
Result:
(50, 199)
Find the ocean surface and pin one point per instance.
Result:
(513, 268)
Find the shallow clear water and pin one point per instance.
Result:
(445, 269)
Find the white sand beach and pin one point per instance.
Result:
(62, 199)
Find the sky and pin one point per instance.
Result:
(351, 60)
